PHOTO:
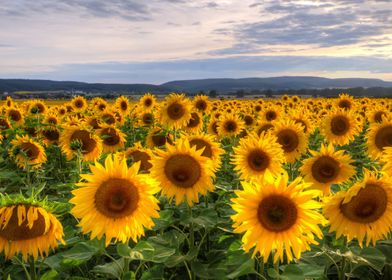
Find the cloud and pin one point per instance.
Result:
(322, 24)
(233, 67)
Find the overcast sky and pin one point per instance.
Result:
(133, 41)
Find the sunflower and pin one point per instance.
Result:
(340, 127)
(229, 125)
(122, 103)
(176, 111)
(271, 113)
(79, 138)
(303, 119)
(28, 229)
(51, 119)
(256, 157)
(113, 139)
(138, 153)
(327, 167)
(79, 103)
(377, 113)
(94, 121)
(108, 117)
(379, 136)
(50, 134)
(195, 124)
(115, 201)
(27, 152)
(147, 119)
(183, 172)
(201, 104)
(158, 138)
(147, 102)
(292, 138)
(15, 115)
(345, 102)
(4, 123)
(211, 149)
(213, 127)
(264, 127)
(363, 211)
(62, 111)
(37, 107)
(276, 217)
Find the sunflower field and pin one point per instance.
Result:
(194, 188)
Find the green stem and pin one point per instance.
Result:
(191, 230)
(28, 277)
(342, 269)
(188, 270)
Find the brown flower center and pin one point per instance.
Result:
(325, 169)
(288, 139)
(200, 144)
(340, 125)
(51, 134)
(301, 122)
(230, 126)
(143, 157)
(109, 119)
(367, 206)
(124, 105)
(277, 213)
(83, 136)
(345, 104)
(148, 102)
(194, 121)
(79, 103)
(378, 116)
(116, 198)
(148, 118)
(384, 137)
(94, 123)
(52, 120)
(183, 171)
(248, 120)
(264, 128)
(201, 105)
(4, 124)
(15, 115)
(175, 111)
(31, 150)
(110, 136)
(270, 115)
(258, 160)
(14, 232)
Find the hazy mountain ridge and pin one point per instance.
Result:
(223, 85)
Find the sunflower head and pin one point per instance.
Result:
(277, 217)
(147, 101)
(114, 197)
(113, 139)
(176, 111)
(340, 127)
(27, 152)
(201, 104)
(28, 228)
(327, 167)
(379, 137)
(158, 138)
(230, 125)
(183, 172)
(79, 103)
(362, 212)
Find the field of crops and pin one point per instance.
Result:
(182, 188)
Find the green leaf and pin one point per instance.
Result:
(272, 273)
(49, 275)
(293, 272)
(154, 273)
(311, 270)
(165, 219)
(373, 257)
(123, 250)
(80, 253)
(112, 269)
(130, 275)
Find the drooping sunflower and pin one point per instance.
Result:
(176, 111)
(27, 152)
(108, 117)
(378, 137)
(29, 229)
(79, 103)
(230, 125)
(277, 217)
(256, 157)
(94, 121)
(51, 119)
(37, 107)
(264, 127)
(81, 139)
(183, 172)
(115, 201)
(377, 113)
(303, 119)
(15, 115)
(143, 155)
(364, 211)
(147, 102)
(157, 138)
(213, 127)
(4, 123)
(211, 148)
(327, 167)
(113, 139)
(292, 138)
(147, 119)
(340, 127)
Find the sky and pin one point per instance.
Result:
(155, 41)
